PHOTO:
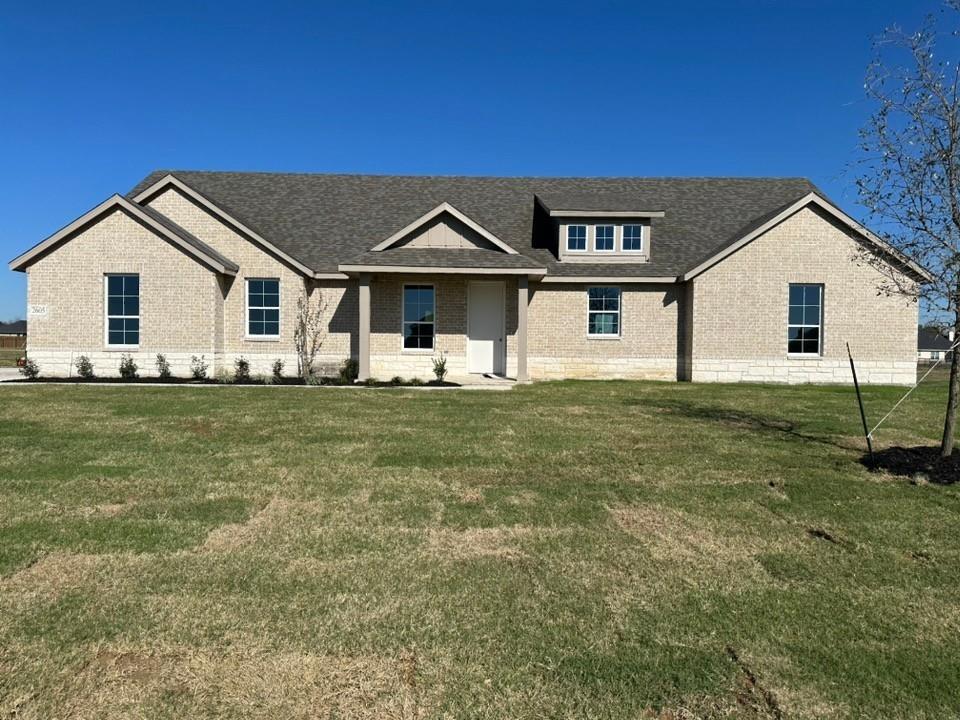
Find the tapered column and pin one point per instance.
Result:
(363, 344)
(523, 299)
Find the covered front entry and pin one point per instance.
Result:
(486, 321)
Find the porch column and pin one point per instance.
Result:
(363, 342)
(523, 299)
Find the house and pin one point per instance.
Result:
(13, 335)
(933, 345)
(703, 279)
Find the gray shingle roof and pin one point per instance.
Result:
(444, 257)
(932, 339)
(326, 220)
(17, 327)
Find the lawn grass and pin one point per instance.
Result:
(9, 357)
(578, 549)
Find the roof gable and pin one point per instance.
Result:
(474, 234)
(154, 221)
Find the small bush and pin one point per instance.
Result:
(163, 367)
(241, 370)
(440, 367)
(349, 371)
(84, 367)
(278, 369)
(223, 376)
(396, 380)
(416, 382)
(128, 368)
(371, 382)
(29, 369)
(198, 367)
(313, 379)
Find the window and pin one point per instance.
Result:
(123, 310)
(803, 331)
(935, 355)
(576, 237)
(604, 237)
(633, 237)
(263, 308)
(603, 311)
(418, 317)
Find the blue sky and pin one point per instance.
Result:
(93, 100)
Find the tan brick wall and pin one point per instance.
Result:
(178, 298)
(558, 344)
(740, 310)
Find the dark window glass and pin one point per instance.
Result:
(805, 317)
(418, 317)
(603, 311)
(263, 308)
(576, 237)
(604, 238)
(123, 309)
(633, 237)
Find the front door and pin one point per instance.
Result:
(485, 348)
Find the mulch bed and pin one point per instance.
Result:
(919, 464)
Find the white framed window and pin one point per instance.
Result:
(577, 238)
(935, 355)
(263, 308)
(122, 294)
(603, 238)
(805, 321)
(633, 238)
(603, 312)
(419, 317)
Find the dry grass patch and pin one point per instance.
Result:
(275, 514)
(697, 543)
(499, 542)
(123, 682)
(52, 574)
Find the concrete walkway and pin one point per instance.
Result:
(9, 374)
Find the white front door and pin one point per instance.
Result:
(485, 328)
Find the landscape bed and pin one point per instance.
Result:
(575, 549)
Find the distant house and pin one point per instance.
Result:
(933, 345)
(13, 334)
(702, 279)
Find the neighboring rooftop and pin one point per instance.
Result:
(932, 339)
(17, 327)
(327, 220)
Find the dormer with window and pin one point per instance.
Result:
(603, 236)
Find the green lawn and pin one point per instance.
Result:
(8, 357)
(588, 550)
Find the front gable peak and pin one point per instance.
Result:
(445, 227)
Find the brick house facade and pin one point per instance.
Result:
(703, 280)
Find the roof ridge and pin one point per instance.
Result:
(426, 176)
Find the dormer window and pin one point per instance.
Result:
(633, 238)
(604, 238)
(577, 238)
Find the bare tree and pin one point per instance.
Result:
(309, 332)
(909, 178)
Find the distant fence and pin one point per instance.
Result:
(13, 342)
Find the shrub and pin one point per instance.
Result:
(261, 379)
(29, 369)
(163, 367)
(278, 369)
(396, 380)
(371, 382)
(223, 376)
(198, 367)
(440, 367)
(241, 370)
(84, 367)
(416, 382)
(349, 371)
(128, 368)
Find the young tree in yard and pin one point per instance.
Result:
(308, 333)
(910, 171)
